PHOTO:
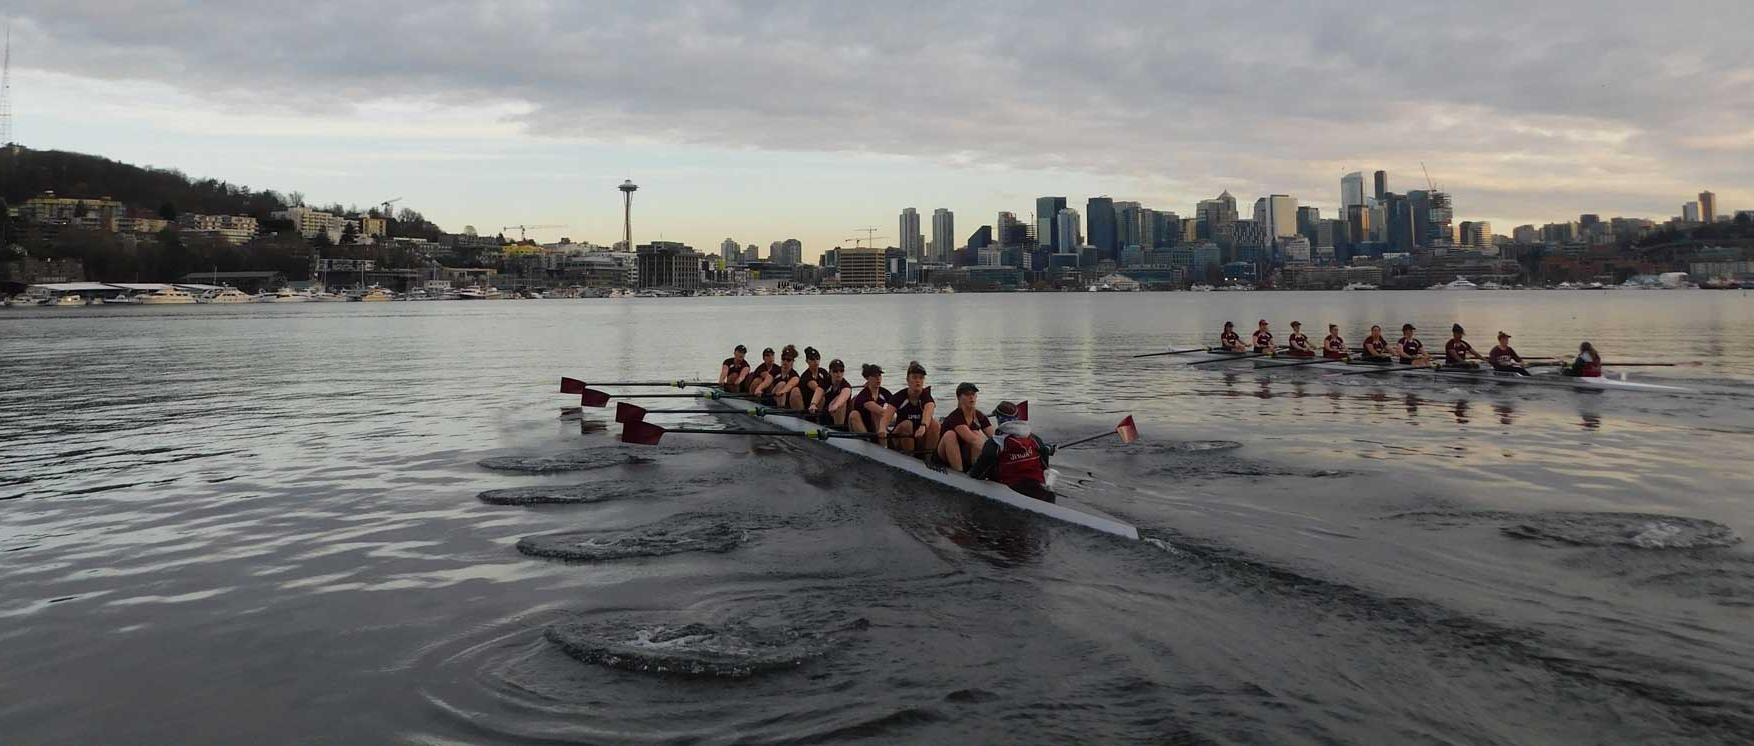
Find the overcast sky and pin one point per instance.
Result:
(762, 121)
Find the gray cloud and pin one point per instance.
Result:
(1585, 103)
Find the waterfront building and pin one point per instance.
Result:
(1068, 234)
(1127, 224)
(913, 243)
(1351, 191)
(862, 266)
(1707, 207)
(669, 265)
(944, 235)
(1478, 235)
(1047, 211)
(1296, 250)
(981, 238)
(1690, 212)
(1099, 217)
(730, 253)
(1525, 234)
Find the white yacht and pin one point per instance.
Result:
(1461, 283)
(480, 292)
(167, 297)
(374, 294)
(286, 295)
(227, 295)
(1359, 286)
(66, 300)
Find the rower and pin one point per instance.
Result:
(756, 381)
(1015, 457)
(783, 384)
(915, 429)
(867, 412)
(1263, 339)
(810, 382)
(829, 407)
(1297, 345)
(1230, 341)
(965, 430)
(1376, 348)
(734, 369)
(1587, 364)
(1504, 359)
(1409, 349)
(1334, 345)
(1457, 353)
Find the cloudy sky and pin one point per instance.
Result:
(767, 120)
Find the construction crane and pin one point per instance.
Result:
(1427, 171)
(524, 229)
(869, 239)
(386, 205)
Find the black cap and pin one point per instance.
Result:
(1408, 327)
(870, 369)
(966, 388)
(1297, 323)
(810, 353)
(1005, 409)
(1502, 335)
(767, 351)
(1229, 324)
(1456, 328)
(741, 348)
(836, 364)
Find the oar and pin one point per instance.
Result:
(576, 386)
(648, 434)
(1317, 361)
(594, 398)
(1242, 356)
(625, 412)
(1174, 352)
(1394, 369)
(1125, 429)
(1683, 364)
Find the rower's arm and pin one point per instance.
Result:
(927, 411)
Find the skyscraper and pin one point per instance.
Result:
(1707, 207)
(1047, 211)
(1690, 212)
(1127, 224)
(943, 234)
(729, 252)
(1214, 214)
(1011, 232)
(1066, 232)
(1351, 190)
(1281, 216)
(913, 244)
(1382, 184)
(1307, 220)
(1100, 215)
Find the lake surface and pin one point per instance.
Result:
(261, 524)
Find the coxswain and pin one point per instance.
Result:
(965, 430)
(811, 381)
(784, 382)
(915, 427)
(1014, 456)
(868, 412)
(829, 407)
(734, 369)
(1457, 353)
(1587, 364)
(1334, 345)
(1229, 340)
(1409, 349)
(1376, 347)
(1297, 345)
(758, 378)
(1262, 338)
(1503, 357)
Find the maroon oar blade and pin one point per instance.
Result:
(1023, 410)
(625, 413)
(641, 433)
(593, 398)
(571, 386)
(1127, 430)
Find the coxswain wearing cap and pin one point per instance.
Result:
(811, 380)
(1587, 364)
(965, 430)
(1457, 353)
(761, 376)
(1297, 345)
(1229, 340)
(829, 405)
(1409, 349)
(868, 412)
(734, 369)
(1014, 456)
(1503, 358)
(1334, 345)
(1376, 347)
(1262, 338)
(785, 381)
(915, 428)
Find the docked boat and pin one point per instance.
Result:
(227, 295)
(479, 292)
(374, 294)
(66, 300)
(286, 295)
(1460, 283)
(168, 296)
(1359, 286)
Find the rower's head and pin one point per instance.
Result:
(1503, 338)
(739, 351)
(1297, 326)
(812, 358)
(1005, 412)
(1456, 330)
(1375, 330)
(1408, 329)
(1229, 325)
(873, 374)
(1262, 323)
(1586, 347)
(837, 369)
(767, 355)
(1333, 328)
(788, 355)
(966, 394)
(916, 375)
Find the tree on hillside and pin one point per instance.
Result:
(167, 211)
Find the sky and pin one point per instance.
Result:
(762, 121)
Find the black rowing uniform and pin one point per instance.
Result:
(1376, 350)
(1263, 340)
(1410, 348)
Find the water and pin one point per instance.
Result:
(260, 523)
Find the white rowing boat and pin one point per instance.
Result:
(956, 480)
(1483, 374)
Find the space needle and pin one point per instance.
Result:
(627, 190)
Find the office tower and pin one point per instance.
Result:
(1066, 231)
(1127, 224)
(1011, 232)
(1477, 234)
(1047, 211)
(1525, 234)
(751, 253)
(913, 244)
(1359, 227)
(1707, 207)
(943, 234)
(1281, 215)
(789, 252)
(1351, 190)
(1382, 184)
(1308, 218)
(728, 251)
(1398, 231)
(1690, 212)
(1100, 218)
(1214, 214)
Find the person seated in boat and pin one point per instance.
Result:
(1457, 353)
(1503, 357)
(784, 381)
(869, 412)
(915, 429)
(965, 430)
(1229, 340)
(1409, 350)
(1334, 345)
(1297, 345)
(811, 380)
(1587, 364)
(1014, 456)
(761, 376)
(1376, 347)
(734, 369)
(1262, 339)
(829, 407)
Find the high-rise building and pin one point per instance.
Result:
(729, 252)
(1281, 215)
(1127, 224)
(1382, 184)
(668, 264)
(1047, 211)
(751, 253)
(862, 266)
(1690, 212)
(981, 238)
(1011, 232)
(1707, 207)
(1099, 216)
(913, 244)
(1351, 190)
(1214, 214)
(787, 253)
(1308, 218)
(1525, 234)
(1067, 232)
(1359, 227)
(943, 235)
(1477, 234)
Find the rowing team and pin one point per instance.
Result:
(999, 447)
(1458, 353)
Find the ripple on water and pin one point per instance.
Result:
(594, 492)
(1588, 528)
(685, 532)
(728, 651)
(583, 461)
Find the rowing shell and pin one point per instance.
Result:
(1595, 383)
(958, 481)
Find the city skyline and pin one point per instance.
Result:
(533, 123)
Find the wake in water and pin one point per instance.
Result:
(685, 532)
(732, 651)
